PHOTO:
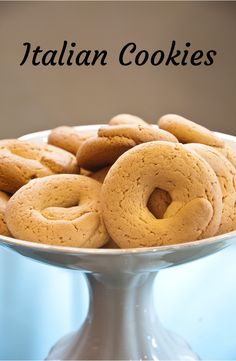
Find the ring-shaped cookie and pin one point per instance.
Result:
(67, 138)
(99, 152)
(228, 153)
(122, 119)
(226, 174)
(100, 174)
(22, 161)
(4, 198)
(159, 199)
(139, 133)
(58, 210)
(187, 131)
(196, 207)
(103, 150)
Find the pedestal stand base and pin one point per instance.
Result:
(122, 325)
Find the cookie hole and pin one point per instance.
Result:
(158, 202)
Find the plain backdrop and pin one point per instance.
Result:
(36, 98)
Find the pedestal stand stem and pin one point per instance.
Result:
(119, 308)
(122, 324)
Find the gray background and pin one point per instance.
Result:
(35, 98)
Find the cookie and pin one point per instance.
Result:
(226, 174)
(100, 174)
(122, 119)
(229, 153)
(61, 210)
(159, 199)
(139, 133)
(103, 150)
(196, 207)
(67, 138)
(4, 198)
(187, 131)
(99, 152)
(22, 161)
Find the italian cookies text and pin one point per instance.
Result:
(130, 54)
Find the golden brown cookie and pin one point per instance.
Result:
(229, 153)
(22, 161)
(196, 208)
(187, 131)
(159, 199)
(139, 133)
(226, 174)
(100, 174)
(85, 172)
(100, 152)
(67, 138)
(103, 150)
(4, 198)
(59, 210)
(158, 202)
(122, 119)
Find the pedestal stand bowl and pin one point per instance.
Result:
(121, 323)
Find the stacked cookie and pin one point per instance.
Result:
(21, 162)
(131, 185)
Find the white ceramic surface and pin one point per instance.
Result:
(122, 322)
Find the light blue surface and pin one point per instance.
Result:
(39, 304)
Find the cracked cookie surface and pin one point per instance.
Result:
(62, 210)
(187, 131)
(4, 198)
(226, 174)
(196, 208)
(159, 199)
(229, 153)
(103, 150)
(22, 161)
(67, 138)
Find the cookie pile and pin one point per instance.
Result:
(131, 185)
